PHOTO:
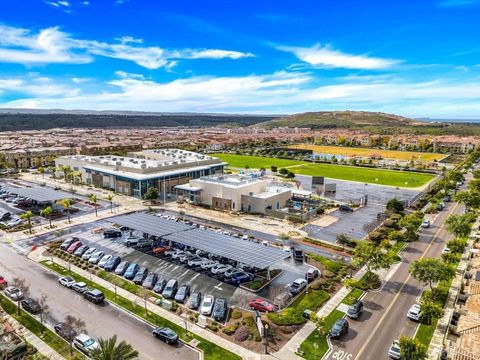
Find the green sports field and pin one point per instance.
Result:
(352, 173)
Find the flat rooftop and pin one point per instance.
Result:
(229, 180)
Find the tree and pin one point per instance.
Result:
(476, 174)
(412, 349)
(273, 168)
(109, 198)
(395, 206)
(109, 350)
(76, 175)
(71, 327)
(457, 246)
(151, 194)
(284, 237)
(27, 215)
(44, 308)
(67, 205)
(371, 256)
(66, 170)
(283, 171)
(41, 170)
(458, 225)
(474, 184)
(411, 223)
(145, 295)
(22, 285)
(430, 271)
(53, 169)
(429, 310)
(290, 175)
(47, 212)
(471, 198)
(93, 199)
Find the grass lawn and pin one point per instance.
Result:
(210, 350)
(342, 172)
(365, 152)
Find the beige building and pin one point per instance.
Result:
(234, 193)
(35, 157)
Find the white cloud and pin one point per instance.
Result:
(52, 45)
(326, 56)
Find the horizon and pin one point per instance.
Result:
(154, 57)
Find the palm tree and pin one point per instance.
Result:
(93, 199)
(284, 237)
(66, 204)
(53, 169)
(41, 170)
(66, 170)
(27, 215)
(47, 212)
(76, 175)
(109, 198)
(109, 350)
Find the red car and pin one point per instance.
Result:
(3, 282)
(160, 249)
(71, 249)
(261, 305)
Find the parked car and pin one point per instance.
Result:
(194, 300)
(394, 351)
(160, 250)
(64, 330)
(282, 300)
(208, 264)
(207, 305)
(80, 287)
(425, 223)
(195, 261)
(446, 250)
(339, 329)
(131, 271)
(14, 222)
(232, 271)
(297, 254)
(103, 261)
(67, 242)
(240, 278)
(31, 305)
(165, 334)
(112, 263)
(75, 245)
(261, 305)
(3, 282)
(150, 281)
(4, 216)
(14, 293)
(96, 257)
(88, 254)
(159, 286)
(140, 275)
(94, 295)
(122, 267)
(355, 310)
(66, 281)
(176, 255)
(440, 206)
(220, 269)
(447, 198)
(85, 343)
(182, 294)
(346, 208)
(312, 274)
(297, 286)
(414, 312)
(81, 250)
(220, 310)
(112, 233)
(170, 289)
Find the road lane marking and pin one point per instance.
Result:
(372, 334)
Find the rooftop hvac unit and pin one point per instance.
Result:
(143, 166)
(174, 162)
(118, 163)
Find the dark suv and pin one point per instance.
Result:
(31, 305)
(355, 310)
(140, 275)
(112, 263)
(94, 295)
(339, 329)
(220, 309)
(112, 233)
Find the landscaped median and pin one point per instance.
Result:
(210, 350)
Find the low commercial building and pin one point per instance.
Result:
(34, 157)
(234, 193)
(133, 175)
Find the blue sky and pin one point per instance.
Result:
(414, 58)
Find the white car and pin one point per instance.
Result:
(195, 261)
(177, 254)
(414, 312)
(207, 305)
(14, 222)
(394, 351)
(170, 252)
(85, 343)
(446, 250)
(95, 258)
(131, 240)
(14, 293)
(425, 223)
(88, 254)
(66, 281)
(220, 268)
(232, 271)
(208, 264)
(103, 261)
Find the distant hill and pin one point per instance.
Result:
(26, 119)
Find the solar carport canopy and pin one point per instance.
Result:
(243, 251)
(38, 193)
(151, 225)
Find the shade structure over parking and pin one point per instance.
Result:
(38, 193)
(243, 251)
(150, 224)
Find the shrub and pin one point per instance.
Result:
(257, 338)
(236, 314)
(230, 330)
(328, 274)
(243, 333)
(376, 237)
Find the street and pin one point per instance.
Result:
(103, 320)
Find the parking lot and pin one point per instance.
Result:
(199, 280)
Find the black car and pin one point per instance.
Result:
(182, 294)
(112, 263)
(150, 281)
(160, 285)
(5, 216)
(65, 331)
(312, 274)
(220, 309)
(140, 275)
(194, 300)
(94, 295)
(67, 242)
(122, 267)
(355, 310)
(165, 334)
(81, 250)
(339, 329)
(345, 208)
(297, 254)
(447, 198)
(31, 305)
(112, 233)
